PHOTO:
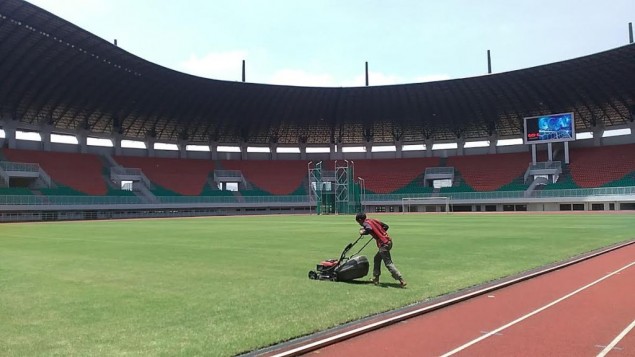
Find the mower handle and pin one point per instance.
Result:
(349, 246)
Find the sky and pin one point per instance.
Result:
(326, 43)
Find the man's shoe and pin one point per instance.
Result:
(402, 283)
(375, 280)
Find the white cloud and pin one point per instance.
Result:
(222, 65)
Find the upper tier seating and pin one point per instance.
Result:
(182, 176)
(279, 177)
(81, 172)
(598, 166)
(490, 172)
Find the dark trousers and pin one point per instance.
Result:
(384, 254)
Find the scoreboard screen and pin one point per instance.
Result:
(549, 128)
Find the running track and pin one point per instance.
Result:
(585, 309)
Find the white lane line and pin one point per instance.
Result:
(616, 340)
(460, 348)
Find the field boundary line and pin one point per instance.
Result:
(339, 337)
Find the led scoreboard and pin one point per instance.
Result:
(549, 128)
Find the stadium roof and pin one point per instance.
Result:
(53, 72)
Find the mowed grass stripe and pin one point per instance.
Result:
(225, 285)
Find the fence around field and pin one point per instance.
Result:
(476, 196)
(39, 200)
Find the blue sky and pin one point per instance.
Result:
(325, 43)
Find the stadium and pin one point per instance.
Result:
(93, 136)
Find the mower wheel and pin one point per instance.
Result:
(313, 275)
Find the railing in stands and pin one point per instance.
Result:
(304, 200)
(23, 167)
(19, 166)
(125, 171)
(45, 177)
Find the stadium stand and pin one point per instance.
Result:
(599, 166)
(174, 176)
(280, 177)
(80, 173)
(390, 175)
(490, 172)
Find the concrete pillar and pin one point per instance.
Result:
(598, 131)
(182, 145)
(10, 127)
(82, 140)
(398, 149)
(369, 149)
(45, 134)
(244, 155)
(150, 146)
(273, 151)
(460, 146)
(116, 142)
(336, 155)
(429, 142)
(302, 150)
(493, 139)
(213, 150)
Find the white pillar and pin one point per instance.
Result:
(533, 154)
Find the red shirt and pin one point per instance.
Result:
(376, 229)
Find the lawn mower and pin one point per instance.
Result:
(345, 268)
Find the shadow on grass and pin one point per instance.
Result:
(368, 282)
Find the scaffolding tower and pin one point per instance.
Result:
(333, 192)
(347, 191)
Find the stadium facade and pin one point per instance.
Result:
(59, 80)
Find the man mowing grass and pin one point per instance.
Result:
(378, 230)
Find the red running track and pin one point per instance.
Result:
(578, 310)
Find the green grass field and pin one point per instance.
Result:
(225, 285)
